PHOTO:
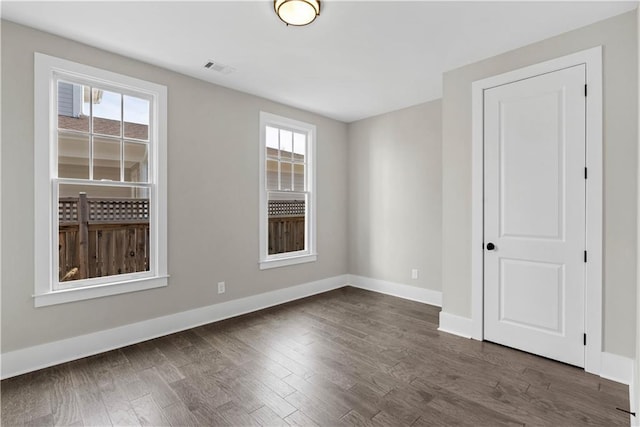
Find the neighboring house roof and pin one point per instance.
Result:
(104, 126)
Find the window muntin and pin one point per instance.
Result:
(102, 240)
(100, 153)
(287, 188)
(110, 135)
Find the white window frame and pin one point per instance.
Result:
(46, 290)
(267, 261)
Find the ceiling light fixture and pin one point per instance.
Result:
(297, 12)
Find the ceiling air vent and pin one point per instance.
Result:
(220, 68)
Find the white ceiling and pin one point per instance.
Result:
(358, 59)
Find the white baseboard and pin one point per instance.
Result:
(621, 369)
(633, 397)
(456, 325)
(41, 356)
(614, 367)
(617, 368)
(399, 290)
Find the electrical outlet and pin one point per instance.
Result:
(414, 273)
(221, 287)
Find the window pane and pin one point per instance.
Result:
(286, 144)
(299, 147)
(103, 231)
(285, 176)
(106, 159)
(107, 112)
(287, 217)
(136, 117)
(298, 177)
(272, 175)
(272, 137)
(71, 111)
(136, 162)
(73, 155)
(272, 153)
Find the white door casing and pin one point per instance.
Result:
(592, 58)
(534, 214)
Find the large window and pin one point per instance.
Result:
(287, 190)
(100, 148)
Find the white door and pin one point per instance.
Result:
(534, 214)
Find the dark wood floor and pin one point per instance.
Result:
(347, 357)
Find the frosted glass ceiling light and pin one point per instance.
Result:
(297, 12)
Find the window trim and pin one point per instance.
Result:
(46, 68)
(289, 258)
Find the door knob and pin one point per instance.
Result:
(490, 246)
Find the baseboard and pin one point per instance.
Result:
(41, 356)
(621, 369)
(617, 368)
(633, 398)
(399, 290)
(456, 325)
(614, 367)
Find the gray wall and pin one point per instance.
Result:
(368, 173)
(213, 198)
(395, 193)
(634, 388)
(618, 36)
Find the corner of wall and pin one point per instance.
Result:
(456, 325)
(634, 387)
(400, 290)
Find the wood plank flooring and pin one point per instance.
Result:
(343, 358)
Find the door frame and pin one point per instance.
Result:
(592, 58)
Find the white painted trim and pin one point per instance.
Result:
(456, 325)
(413, 293)
(47, 291)
(98, 291)
(593, 294)
(292, 260)
(266, 261)
(41, 356)
(616, 368)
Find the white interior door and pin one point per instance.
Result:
(534, 214)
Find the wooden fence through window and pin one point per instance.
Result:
(107, 236)
(102, 236)
(286, 226)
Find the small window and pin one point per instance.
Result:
(287, 189)
(100, 151)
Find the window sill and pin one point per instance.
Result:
(282, 262)
(98, 291)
